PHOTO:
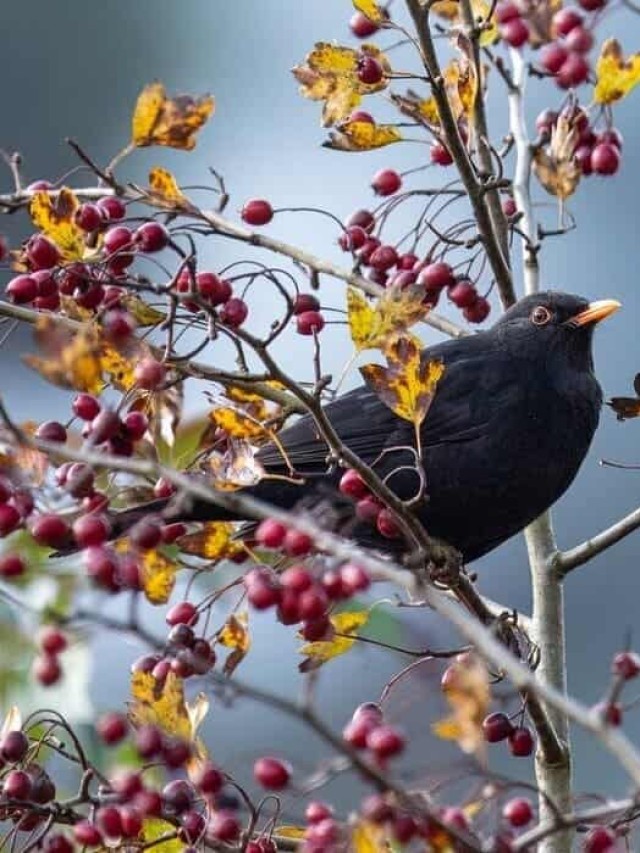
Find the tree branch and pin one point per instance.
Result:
(566, 561)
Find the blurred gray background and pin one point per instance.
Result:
(75, 68)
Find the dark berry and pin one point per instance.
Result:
(305, 302)
(234, 312)
(309, 323)
(478, 311)
(46, 669)
(605, 159)
(11, 565)
(14, 746)
(50, 530)
(626, 665)
(579, 40)
(184, 612)
(515, 32)
(150, 374)
(440, 154)
(214, 289)
(116, 239)
(22, 289)
(223, 826)
(369, 71)
(151, 237)
(600, 839)
(385, 741)
(42, 253)
(565, 20)
(521, 742)
(89, 217)
(91, 529)
(112, 727)
(9, 519)
(496, 727)
(270, 533)
(463, 294)
(552, 57)
(52, 640)
(112, 208)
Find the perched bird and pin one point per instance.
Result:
(512, 419)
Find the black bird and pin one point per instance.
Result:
(512, 419)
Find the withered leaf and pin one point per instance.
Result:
(235, 636)
(627, 407)
(214, 541)
(172, 122)
(377, 325)
(362, 136)
(53, 214)
(468, 695)
(615, 75)
(346, 625)
(555, 165)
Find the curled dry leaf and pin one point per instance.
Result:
(468, 695)
(346, 625)
(162, 704)
(53, 214)
(172, 122)
(615, 75)
(214, 541)
(362, 136)
(235, 636)
(165, 189)
(627, 407)
(555, 165)
(329, 74)
(377, 325)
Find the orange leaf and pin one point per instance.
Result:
(468, 695)
(615, 75)
(158, 576)
(235, 635)
(213, 542)
(172, 122)
(53, 214)
(72, 359)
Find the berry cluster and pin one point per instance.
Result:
(46, 668)
(497, 727)
(367, 730)
(596, 151)
(566, 58)
(387, 267)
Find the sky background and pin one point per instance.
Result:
(74, 69)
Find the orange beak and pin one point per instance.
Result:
(595, 312)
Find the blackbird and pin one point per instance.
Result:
(512, 419)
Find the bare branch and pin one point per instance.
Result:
(566, 561)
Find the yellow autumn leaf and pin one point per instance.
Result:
(447, 9)
(143, 313)
(158, 576)
(461, 84)
(166, 188)
(235, 636)
(615, 75)
(162, 704)
(154, 829)
(450, 11)
(367, 837)
(376, 325)
(213, 541)
(72, 360)
(53, 214)
(290, 831)
(346, 626)
(408, 384)
(172, 122)
(362, 136)
(118, 368)
(467, 692)
(330, 74)
(371, 10)
(237, 424)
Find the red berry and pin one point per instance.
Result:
(116, 239)
(436, 276)
(361, 26)
(369, 71)
(611, 712)
(46, 283)
(46, 669)
(582, 157)
(214, 289)
(223, 826)
(107, 423)
(333, 586)
(358, 730)
(112, 727)
(52, 640)
(52, 431)
(573, 72)
(42, 253)
(11, 565)
(322, 836)
(463, 294)
(17, 785)
(182, 613)
(296, 544)
(305, 302)
(600, 839)
(91, 529)
(611, 136)
(363, 218)
(387, 524)
(112, 208)
(579, 40)
(257, 211)
(478, 311)
(371, 710)
(270, 533)
(317, 629)
(509, 207)
(102, 567)
(163, 488)
(352, 485)
(546, 121)
(626, 665)
(9, 519)
(178, 795)
(14, 746)
(309, 322)
(4, 248)
(515, 32)
(171, 532)
(108, 821)
(440, 154)
(313, 603)
(506, 11)
(272, 773)
(352, 238)
(135, 425)
(354, 578)
(403, 828)
(518, 812)
(22, 289)
(208, 779)
(368, 509)
(89, 217)
(150, 374)
(127, 783)
(565, 20)
(131, 822)
(361, 115)
(148, 741)
(87, 834)
(552, 58)
(317, 811)
(592, 5)
(383, 258)
(521, 742)
(496, 727)
(386, 182)
(376, 809)
(50, 530)
(385, 741)
(605, 159)
(118, 325)
(234, 312)
(151, 237)
(262, 594)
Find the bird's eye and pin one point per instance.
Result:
(540, 315)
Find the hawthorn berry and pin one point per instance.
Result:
(506, 11)
(151, 237)
(385, 741)
(387, 524)
(112, 208)
(317, 811)
(386, 182)
(309, 323)
(46, 669)
(361, 26)
(573, 71)
(52, 640)
(51, 530)
(518, 812)
(9, 520)
(600, 839)
(626, 665)
(605, 159)
(521, 741)
(363, 219)
(11, 565)
(478, 311)
(257, 211)
(305, 302)
(87, 834)
(368, 70)
(116, 239)
(42, 253)
(515, 32)
(234, 312)
(112, 727)
(184, 612)
(89, 217)
(440, 154)
(272, 773)
(52, 431)
(579, 40)
(463, 294)
(214, 289)
(565, 20)
(496, 727)
(552, 58)
(223, 826)
(22, 289)
(208, 778)
(14, 746)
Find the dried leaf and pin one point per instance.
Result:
(162, 704)
(377, 325)
(408, 384)
(173, 122)
(166, 188)
(214, 541)
(235, 635)
(422, 110)
(158, 576)
(450, 11)
(238, 424)
(367, 837)
(236, 468)
(119, 369)
(468, 695)
(330, 75)
(53, 214)
(555, 166)
(461, 84)
(73, 360)
(615, 75)
(371, 10)
(143, 314)
(362, 136)
(321, 651)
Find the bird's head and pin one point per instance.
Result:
(553, 322)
